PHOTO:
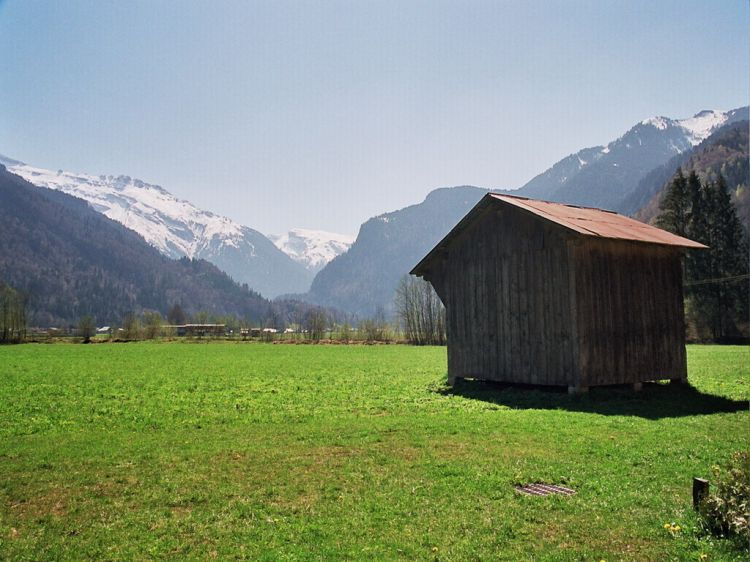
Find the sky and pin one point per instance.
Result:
(323, 114)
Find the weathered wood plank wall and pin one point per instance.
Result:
(630, 312)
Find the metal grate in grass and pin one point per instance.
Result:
(539, 489)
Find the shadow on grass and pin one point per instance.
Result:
(655, 401)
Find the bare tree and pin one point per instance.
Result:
(87, 328)
(131, 327)
(345, 332)
(152, 325)
(376, 328)
(420, 311)
(201, 317)
(316, 322)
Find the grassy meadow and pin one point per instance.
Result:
(305, 452)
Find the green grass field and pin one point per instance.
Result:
(282, 452)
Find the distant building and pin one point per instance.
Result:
(198, 330)
(551, 294)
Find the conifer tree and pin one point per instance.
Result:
(727, 299)
(697, 263)
(675, 206)
(705, 213)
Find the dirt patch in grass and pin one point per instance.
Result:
(613, 539)
(181, 511)
(53, 502)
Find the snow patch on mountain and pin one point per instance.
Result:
(701, 125)
(696, 128)
(660, 123)
(312, 248)
(604, 176)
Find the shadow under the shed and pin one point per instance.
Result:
(655, 401)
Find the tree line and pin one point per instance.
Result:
(717, 289)
(307, 322)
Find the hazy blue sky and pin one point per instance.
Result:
(322, 114)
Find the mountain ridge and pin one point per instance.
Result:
(726, 152)
(606, 176)
(177, 228)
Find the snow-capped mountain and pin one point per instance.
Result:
(312, 248)
(178, 228)
(605, 176)
(698, 127)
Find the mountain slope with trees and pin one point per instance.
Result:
(606, 177)
(725, 153)
(70, 261)
(177, 228)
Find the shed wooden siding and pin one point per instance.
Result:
(630, 318)
(531, 300)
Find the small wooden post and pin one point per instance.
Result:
(700, 491)
(637, 386)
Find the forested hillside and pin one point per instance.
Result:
(70, 260)
(607, 177)
(726, 153)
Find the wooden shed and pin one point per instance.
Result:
(550, 294)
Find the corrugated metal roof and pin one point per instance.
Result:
(587, 221)
(598, 222)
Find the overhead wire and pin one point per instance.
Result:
(719, 280)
